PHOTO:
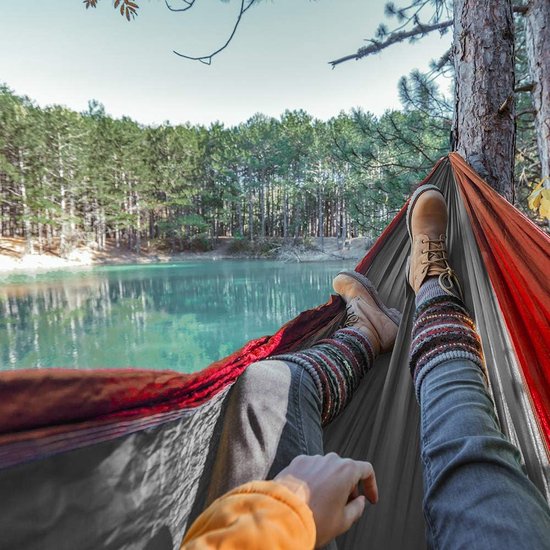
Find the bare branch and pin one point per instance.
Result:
(520, 9)
(526, 112)
(525, 87)
(207, 59)
(506, 105)
(189, 3)
(377, 46)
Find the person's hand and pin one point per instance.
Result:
(329, 486)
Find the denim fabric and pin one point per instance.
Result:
(273, 415)
(476, 494)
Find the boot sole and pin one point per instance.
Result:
(393, 314)
(414, 198)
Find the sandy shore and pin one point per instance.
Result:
(13, 258)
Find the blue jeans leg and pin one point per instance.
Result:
(273, 415)
(476, 494)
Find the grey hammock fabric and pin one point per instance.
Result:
(140, 491)
(381, 422)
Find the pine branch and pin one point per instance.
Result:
(376, 46)
(444, 59)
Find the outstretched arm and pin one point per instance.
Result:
(311, 501)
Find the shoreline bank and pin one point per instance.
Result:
(13, 258)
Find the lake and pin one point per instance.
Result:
(179, 316)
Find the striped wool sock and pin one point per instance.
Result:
(337, 365)
(442, 330)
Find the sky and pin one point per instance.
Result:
(57, 52)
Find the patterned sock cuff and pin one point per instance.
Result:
(442, 331)
(336, 365)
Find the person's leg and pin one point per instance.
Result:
(277, 407)
(273, 415)
(476, 492)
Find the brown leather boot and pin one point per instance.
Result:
(366, 312)
(427, 225)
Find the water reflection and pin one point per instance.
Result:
(181, 316)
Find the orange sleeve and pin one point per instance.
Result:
(260, 514)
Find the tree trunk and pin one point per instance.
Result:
(483, 126)
(262, 211)
(285, 215)
(49, 230)
(298, 224)
(240, 219)
(137, 207)
(320, 216)
(27, 228)
(40, 238)
(63, 247)
(250, 217)
(102, 230)
(538, 55)
(72, 224)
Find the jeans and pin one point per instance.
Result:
(476, 493)
(273, 415)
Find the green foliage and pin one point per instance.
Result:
(198, 243)
(238, 246)
(127, 8)
(258, 249)
(88, 177)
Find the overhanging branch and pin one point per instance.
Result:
(189, 5)
(525, 87)
(377, 46)
(207, 59)
(520, 9)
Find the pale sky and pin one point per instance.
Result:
(57, 52)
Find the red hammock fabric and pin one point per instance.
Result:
(36, 403)
(516, 254)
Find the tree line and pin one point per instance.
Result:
(496, 57)
(69, 178)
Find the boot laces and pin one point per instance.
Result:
(437, 257)
(437, 254)
(351, 316)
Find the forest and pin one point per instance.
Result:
(73, 178)
(69, 179)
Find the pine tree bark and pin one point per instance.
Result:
(538, 55)
(320, 217)
(262, 210)
(27, 228)
(137, 207)
(285, 214)
(250, 217)
(483, 127)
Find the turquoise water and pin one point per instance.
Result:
(164, 316)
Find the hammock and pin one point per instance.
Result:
(121, 458)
